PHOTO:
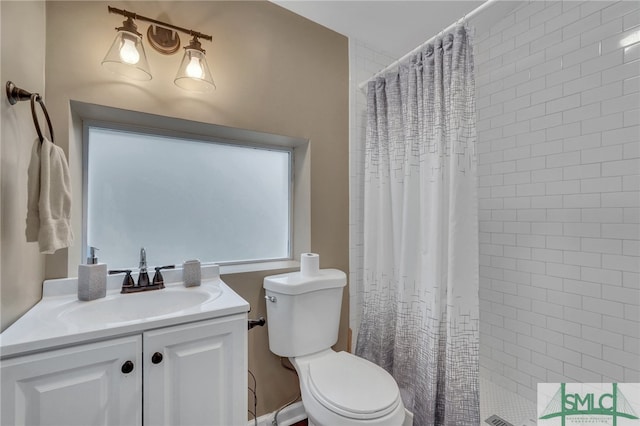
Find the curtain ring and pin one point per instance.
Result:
(37, 98)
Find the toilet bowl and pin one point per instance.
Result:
(338, 388)
(341, 389)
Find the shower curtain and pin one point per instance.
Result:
(420, 271)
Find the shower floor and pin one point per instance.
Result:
(508, 405)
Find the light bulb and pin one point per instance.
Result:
(194, 69)
(128, 52)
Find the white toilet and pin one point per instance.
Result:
(338, 389)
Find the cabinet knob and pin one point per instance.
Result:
(156, 358)
(127, 367)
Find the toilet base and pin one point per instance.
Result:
(327, 418)
(318, 415)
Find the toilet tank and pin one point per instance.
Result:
(303, 312)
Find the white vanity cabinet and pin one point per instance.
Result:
(79, 385)
(188, 374)
(196, 374)
(176, 356)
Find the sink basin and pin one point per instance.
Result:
(61, 320)
(119, 308)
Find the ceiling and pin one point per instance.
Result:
(392, 27)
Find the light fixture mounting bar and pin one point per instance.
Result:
(134, 15)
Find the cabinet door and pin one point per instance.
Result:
(201, 378)
(80, 385)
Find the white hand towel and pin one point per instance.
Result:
(33, 194)
(51, 217)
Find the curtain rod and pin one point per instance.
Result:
(389, 67)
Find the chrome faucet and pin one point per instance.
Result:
(143, 276)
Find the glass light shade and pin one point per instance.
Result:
(194, 73)
(127, 57)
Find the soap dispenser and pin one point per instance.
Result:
(92, 278)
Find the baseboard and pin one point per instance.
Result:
(288, 416)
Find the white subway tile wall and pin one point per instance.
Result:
(559, 143)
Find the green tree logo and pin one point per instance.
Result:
(589, 406)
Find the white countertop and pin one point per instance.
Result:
(45, 326)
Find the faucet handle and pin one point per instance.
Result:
(157, 277)
(127, 282)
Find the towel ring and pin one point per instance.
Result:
(37, 98)
(16, 94)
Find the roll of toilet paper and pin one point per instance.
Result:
(309, 264)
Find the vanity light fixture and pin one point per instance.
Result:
(127, 55)
(193, 73)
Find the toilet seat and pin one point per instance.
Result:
(352, 387)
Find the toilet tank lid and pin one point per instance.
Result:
(296, 283)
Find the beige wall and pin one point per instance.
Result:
(22, 267)
(275, 72)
